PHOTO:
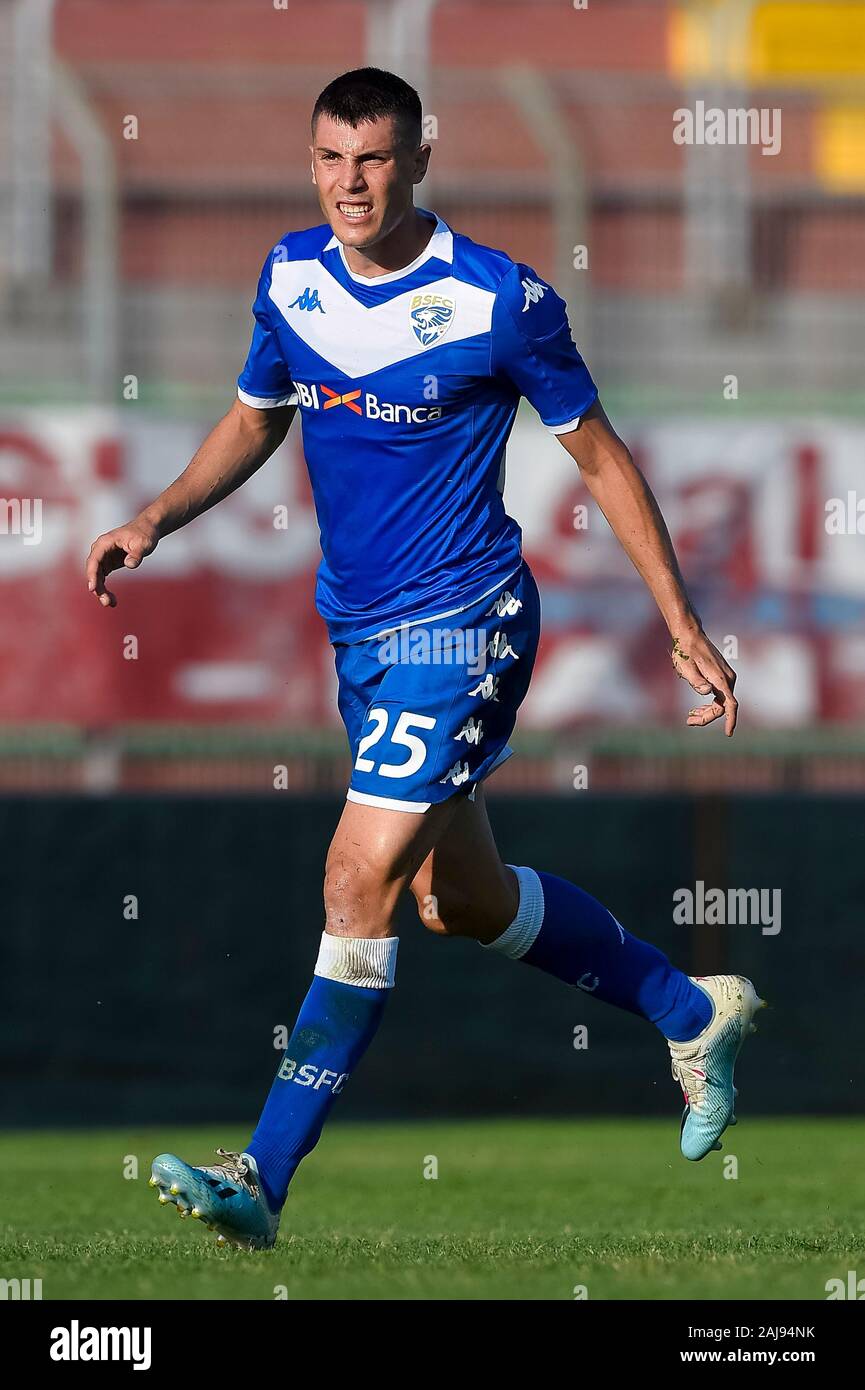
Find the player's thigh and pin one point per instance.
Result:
(374, 854)
(463, 888)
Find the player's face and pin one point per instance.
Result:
(364, 177)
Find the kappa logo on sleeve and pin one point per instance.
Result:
(535, 291)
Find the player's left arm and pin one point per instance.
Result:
(533, 348)
(627, 501)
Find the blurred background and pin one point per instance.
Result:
(171, 771)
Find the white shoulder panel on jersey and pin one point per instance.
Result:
(358, 340)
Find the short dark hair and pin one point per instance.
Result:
(366, 94)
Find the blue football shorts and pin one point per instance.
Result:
(429, 706)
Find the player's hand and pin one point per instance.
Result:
(700, 663)
(123, 548)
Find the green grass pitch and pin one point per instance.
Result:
(519, 1210)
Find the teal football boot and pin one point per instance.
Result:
(704, 1066)
(226, 1196)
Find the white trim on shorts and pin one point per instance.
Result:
(388, 803)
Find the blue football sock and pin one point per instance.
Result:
(568, 933)
(336, 1024)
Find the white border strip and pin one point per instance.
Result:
(365, 962)
(516, 939)
(566, 428)
(388, 803)
(266, 402)
(572, 424)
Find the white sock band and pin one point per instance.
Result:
(521, 934)
(368, 962)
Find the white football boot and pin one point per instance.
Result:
(704, 1066)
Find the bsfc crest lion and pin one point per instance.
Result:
(431, 316)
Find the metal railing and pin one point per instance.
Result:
(72, 326)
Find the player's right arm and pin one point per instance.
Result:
(236, 448)
(244, 439)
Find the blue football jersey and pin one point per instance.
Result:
(408, 386)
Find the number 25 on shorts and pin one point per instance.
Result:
(401, 736)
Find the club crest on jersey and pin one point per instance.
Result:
(431, 316)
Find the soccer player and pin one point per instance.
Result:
(406, 348)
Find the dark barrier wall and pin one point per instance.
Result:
(170, 1016)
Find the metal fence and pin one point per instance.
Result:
(138, 198)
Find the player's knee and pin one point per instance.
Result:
(358, 899)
